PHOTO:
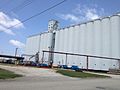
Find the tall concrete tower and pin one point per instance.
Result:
(52, 25)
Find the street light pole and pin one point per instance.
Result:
(16, 51)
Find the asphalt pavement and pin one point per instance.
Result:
(47, 79)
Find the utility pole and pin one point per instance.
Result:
(16, 51)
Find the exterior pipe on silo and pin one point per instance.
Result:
(87, 62)
(42, 56)
(66, 59)
(119, 63)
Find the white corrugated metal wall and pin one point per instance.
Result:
(32, 45)
(38, 43)
(115, 38)
(32, 49)
(45, 44)
(100, 37)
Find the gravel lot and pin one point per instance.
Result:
(30, 71)
(47, 79)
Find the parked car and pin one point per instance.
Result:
(76, 68)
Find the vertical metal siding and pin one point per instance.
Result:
(76, 45)
(56, 56)
(115, 39)
(99, 37)
(105, 43)
(62, 45)
(71, 43)
(93, 38)
(47, 38)
(106, 37)
(65, 40)
(115, 36)
(97, 44)
(90, 43)
(32, 45)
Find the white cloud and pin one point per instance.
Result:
(6, 22)
(83, 13)
(8, 31)
(91, 14)
(70, 17)
(17, 43)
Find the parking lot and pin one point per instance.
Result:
(47, 79)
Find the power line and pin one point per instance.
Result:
(39, 13)
(22, 5)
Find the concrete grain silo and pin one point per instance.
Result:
(100, 37)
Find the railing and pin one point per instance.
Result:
(87, 56)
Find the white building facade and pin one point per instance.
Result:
(100, 37)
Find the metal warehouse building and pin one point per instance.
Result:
(91, 45)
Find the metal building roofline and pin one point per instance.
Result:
(117, 14)
(90, 21)
(53, 20)
(38, 34)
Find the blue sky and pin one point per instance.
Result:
(68, 13)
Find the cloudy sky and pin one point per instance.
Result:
(13, 12)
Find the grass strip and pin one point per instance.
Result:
(5, 74)
(80, 74)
